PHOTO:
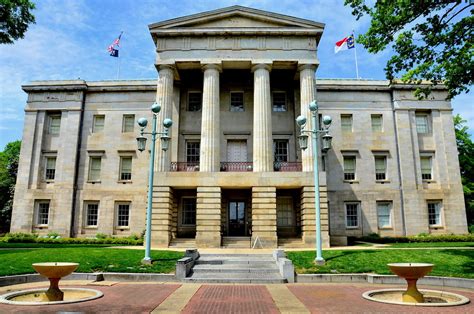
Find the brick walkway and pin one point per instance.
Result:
(212, 298)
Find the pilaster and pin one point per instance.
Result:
(264, 217)
(308, 215)
(162, 216)
(262, 120)
(210, 125)
(208, 217)
(307, 95)
(164, 97)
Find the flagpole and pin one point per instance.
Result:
(355, 55)
(119, 59)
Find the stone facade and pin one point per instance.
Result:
(233, 81)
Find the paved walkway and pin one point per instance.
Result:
(127, 297)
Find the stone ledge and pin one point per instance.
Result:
(452, 282)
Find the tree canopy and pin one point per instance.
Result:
(8, 172)
(15, 16)
(432, 40)
(466, 163)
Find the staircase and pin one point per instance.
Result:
(235, 268)
(236, 242)
(290, 243)
(185, 243)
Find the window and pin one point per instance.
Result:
(346, 122)
(128, 123)
(92, 214)
(284, 211)
(125, 168)
(422, 125)
(98, 123)
(123, 214)
(352, 215)
(192, 151)
(434, 213)
(237, 101)
(279, 101)
(50, 168)
(380, 168)
(94, 168)
(54, 124)
(349, 167)
(384, 214)
(377, 123)
(42, 216)
(188, 216)
(280, 150)
(426, 167)
(194, 101)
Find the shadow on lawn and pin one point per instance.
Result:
(348, 253)
(467, 267)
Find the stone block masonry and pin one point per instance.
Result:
(308, 216)
(208, 217)
(264, 216)
(162, 216)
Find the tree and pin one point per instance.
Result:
(466, 163)
(15, 16)
(432, 40)
(8, 172)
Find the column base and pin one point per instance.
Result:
(208, 240)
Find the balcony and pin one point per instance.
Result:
(184, 166)
(287, 166)
(236, 166)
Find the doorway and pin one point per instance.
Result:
(237, 219)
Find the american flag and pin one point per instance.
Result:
(111, 49)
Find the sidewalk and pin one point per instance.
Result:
(127, 297)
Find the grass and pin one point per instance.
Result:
(90, 259)
(450, 263)
(13, 245)
(431, 244)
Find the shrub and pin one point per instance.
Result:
(471, 229)
(53, 239)
(420, 238)
(101, 236)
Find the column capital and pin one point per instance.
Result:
(211, 66)
(160, 67)
(308, 66)
(258, 66)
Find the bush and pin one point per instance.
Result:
(33, 238)
(419, 238)
(471, 229)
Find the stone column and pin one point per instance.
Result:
(307, 95)
(164, 96)
(264, 217)
(262, 120)
(162, 216)
(208, 216)
(210, 125)
(308, 216)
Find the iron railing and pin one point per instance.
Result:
(287, 166)
(184, 166)
(236, 166)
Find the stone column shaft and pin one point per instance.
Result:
(262, 120)
(210, 125)
(164, 96)
(307, 95)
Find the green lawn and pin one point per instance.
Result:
(452, 263)
(432, 244)
(91, 259)
(51, 245)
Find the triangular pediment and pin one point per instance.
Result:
(237, 17)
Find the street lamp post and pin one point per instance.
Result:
(303, 141)
(141, 143)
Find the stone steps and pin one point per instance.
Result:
(236, 242)
(235, 268)
(291, 243)
(187, 243)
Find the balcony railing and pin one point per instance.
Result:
(184, 166)
(236, 166)
(287, 166)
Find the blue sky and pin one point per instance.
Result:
(70, 38)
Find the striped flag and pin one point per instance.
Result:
(112, 48)
(345, 44)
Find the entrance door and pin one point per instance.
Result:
(237, 218)
(236, 150)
